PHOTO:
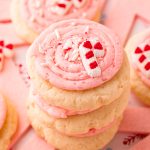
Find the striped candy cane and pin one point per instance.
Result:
(88, 54)
(61, 7)
(5, 51)
(142, 57)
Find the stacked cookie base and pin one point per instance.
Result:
(84, 129)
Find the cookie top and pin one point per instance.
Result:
(39, 14)
(3, 111)
(77, 54)
(140, 55)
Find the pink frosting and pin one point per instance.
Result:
(93, 131)
(63, 67)
(57, 112)
(141, 60)
(38, 14)
(3, 111)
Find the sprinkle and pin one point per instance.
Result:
(57, 34)
(74, 57)
(66, 56)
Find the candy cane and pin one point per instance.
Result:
(88, 54)
(61, 7)
(1, 59)
(78, 3)
(8, 51)
(142, 57)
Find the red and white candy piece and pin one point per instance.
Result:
(1, 59)
(142, 56)
(61, 7)
(5, 51)
(78, 3)
(88, 58)
(8, 51)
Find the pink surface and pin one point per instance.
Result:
(136, 120)
(32, 142)
(123, 15)
(50, 58)
(3, 111)
(142, 145)
(4, 10)
(8, 34)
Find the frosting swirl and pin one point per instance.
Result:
(39, 14)
(77, 54)
(141, 60)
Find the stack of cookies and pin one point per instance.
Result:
(80, 85)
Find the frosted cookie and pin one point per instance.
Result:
(76, 69)
(30, 17)
(138, 49)
(8, 123)
(62, 142)
(80, 125)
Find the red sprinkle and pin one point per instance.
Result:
(93, 65)
(98, 45)
(147, 48)
(87, 44)
(142, 58)
(138, 50)
(89, 54)
(147, 66)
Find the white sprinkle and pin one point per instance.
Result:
(74, 57)
(75, 51)
(57, 34)
(67, 44)
(86, 29)
(66, 56)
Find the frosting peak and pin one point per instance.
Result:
(78, 56)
